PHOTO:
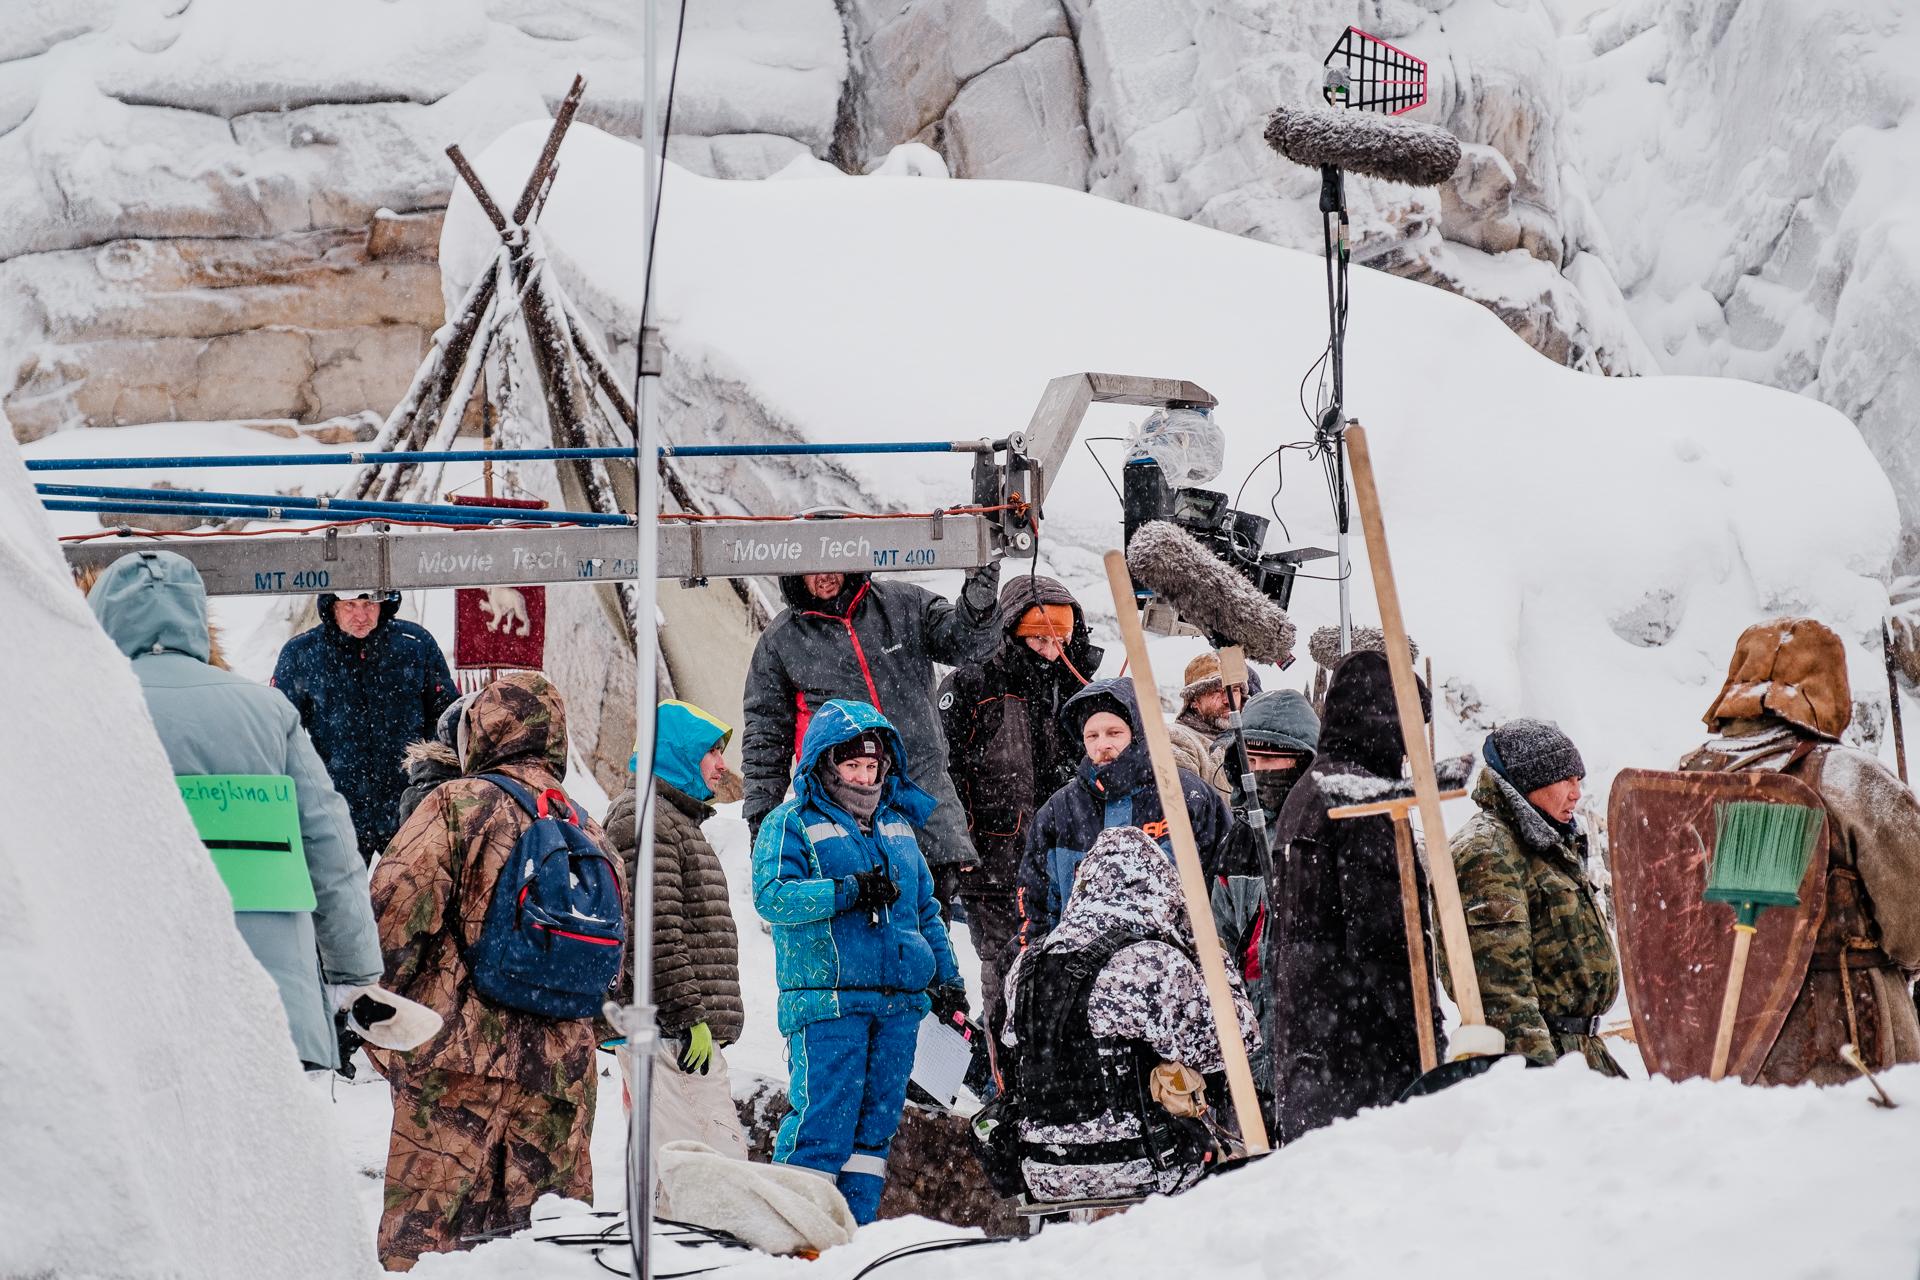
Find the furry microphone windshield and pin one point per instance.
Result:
(1211, 595)
(1420, 155)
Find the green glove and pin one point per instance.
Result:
(699, 1054)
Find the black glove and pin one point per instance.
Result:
(349, 1040)
(875, 890)
(949, 1001)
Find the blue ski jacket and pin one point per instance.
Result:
(828, 959)
(363, 702)
(1119, 794)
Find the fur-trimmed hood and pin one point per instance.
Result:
(428, 759)
(1502, 802)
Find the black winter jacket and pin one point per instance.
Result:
(1007, 749)
(1335, 948)
(1120, 794)
(363, 702)
(876, 643)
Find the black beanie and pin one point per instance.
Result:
(1532, 754)
(866, 746)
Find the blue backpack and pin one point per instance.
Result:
(555, 929)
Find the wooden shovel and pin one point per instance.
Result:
(1186, 858)
(1406, 693)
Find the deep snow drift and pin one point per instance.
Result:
(1570, 547)
(155, 1120)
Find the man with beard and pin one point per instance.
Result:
(1008, 751)
(1204, 709)
(1112, 786)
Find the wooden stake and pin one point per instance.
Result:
(1416, 945)
(1730, 1003)
(1396, 810)
(1406, 693)
(1186, 858)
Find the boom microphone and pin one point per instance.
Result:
(1209, 594)
(1420, 155)
(1323, 646)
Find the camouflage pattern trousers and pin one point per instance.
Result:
(470, 1155)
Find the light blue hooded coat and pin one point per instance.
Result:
(154, 606)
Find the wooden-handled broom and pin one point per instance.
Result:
(1760, 855)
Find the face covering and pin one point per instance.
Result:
(1274, 786)
(857, 800)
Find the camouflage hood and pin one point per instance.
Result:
(1125, 882)
(518, 719)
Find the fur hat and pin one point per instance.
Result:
(1792, 668)
(1203, 676)
(1532, 754)
(1324, 646)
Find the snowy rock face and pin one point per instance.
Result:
(153, 1114)
(1753, 170)
(1580, 549)
(213, 211)
(1162, 105)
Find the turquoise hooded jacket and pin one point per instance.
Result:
(828, 959)
(154, 606)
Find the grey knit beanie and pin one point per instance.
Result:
(1532, 754)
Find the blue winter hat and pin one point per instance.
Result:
(683, 734)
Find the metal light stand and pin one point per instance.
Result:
(638, 1019)
(1330, 431)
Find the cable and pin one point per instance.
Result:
(1103, 469)
(913, 1250)
(660, 191)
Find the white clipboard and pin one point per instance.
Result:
(940, 1060)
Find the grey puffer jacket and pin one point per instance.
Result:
(875, 643)
(696, 952)
(1148, 991)
(154, 606)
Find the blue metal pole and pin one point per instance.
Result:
(350, 505)
(349, 459)
(270, 509)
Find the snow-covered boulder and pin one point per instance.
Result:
(1584, 549)
(218, 209)
(153, 1116)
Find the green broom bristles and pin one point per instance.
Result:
(1760, 855)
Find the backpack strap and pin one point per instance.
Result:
(539, 807)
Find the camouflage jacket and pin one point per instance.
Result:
(1540, 945)
(434, 883)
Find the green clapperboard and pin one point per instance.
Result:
(250, 823)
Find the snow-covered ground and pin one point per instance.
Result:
(1580, 549)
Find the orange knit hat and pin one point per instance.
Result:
(1051, 621)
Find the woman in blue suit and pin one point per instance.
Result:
(859, 950)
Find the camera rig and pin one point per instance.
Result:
(1010, 481)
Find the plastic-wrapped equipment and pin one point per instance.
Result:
(1188, 445)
